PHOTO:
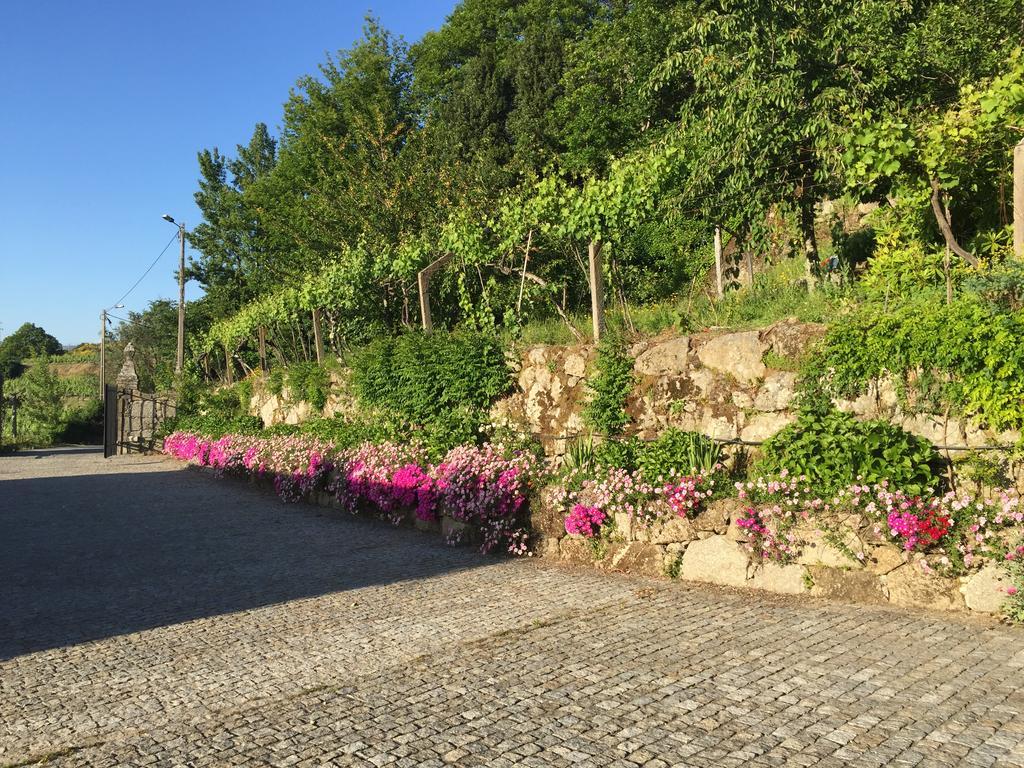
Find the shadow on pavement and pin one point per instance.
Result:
(97, 555)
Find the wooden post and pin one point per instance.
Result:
(317, 337)
(719, 287)
(1018, 200)
(262, 335)
(229, 375)
(423, 286)
(596, 290)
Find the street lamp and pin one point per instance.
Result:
(103, 346)
(179, 362)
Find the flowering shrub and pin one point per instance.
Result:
(486, 486)
(956, 529)
(612, 490)
(686, 496)
(584, 521)
(919, 524)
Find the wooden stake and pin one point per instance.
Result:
(262, 334)
(229, 375)
(596, 290)
(1018, 200)
(423, 285)
(318, 340)
(719, 287)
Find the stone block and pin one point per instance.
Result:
(776, 393)
(883, 559)
(716, 516)
(716, 560)
(576, 550)
(672, 530)
(624, 525)
(736, 354)
(426, 525)
(850, 586)
(545, 546)
(910, 586)
(668, 358)
(985, 591)
(575, 365)
(545, 515)
(816, 550)
(636, 557)
(764, 425)
(782, 579)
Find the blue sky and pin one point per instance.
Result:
(103, 107)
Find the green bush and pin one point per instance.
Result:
(968, 355)
(609, 387)
(309, 382)
(275, 381)
(834, 450)
(678, 453)
(440, 384)
(212, 424)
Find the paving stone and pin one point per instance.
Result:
(159, 617)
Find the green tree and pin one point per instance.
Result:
(28, 341)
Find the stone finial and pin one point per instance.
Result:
(128, 377)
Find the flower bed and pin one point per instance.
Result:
(486, 487)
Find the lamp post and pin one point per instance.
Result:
(179, 361)
(103, 346)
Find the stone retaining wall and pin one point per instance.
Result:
(711, 548)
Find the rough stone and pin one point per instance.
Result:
(850, 586)
(985, 590)
(776, 393)
(935, 429)
(783, 579)
(816, 550)
(910, 586)
(716, 560)
(575, 365)
(673, 530)
(716, 516)
(576, 550)
(737, 354)
(742, 400)
(668, 358)
(636, 557)
(764, 425)
(624, 525)
(546, 516)
(792, 339)
(883, 559)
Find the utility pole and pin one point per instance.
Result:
(103, 351)
(180, 361)
(1018, 201)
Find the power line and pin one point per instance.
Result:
(148, 269)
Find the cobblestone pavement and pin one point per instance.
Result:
(155, 616)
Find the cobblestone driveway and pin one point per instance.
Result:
(154, 616)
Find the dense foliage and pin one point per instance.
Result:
(831, 450)
(521, 130)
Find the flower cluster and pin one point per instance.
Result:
(616, 491)
(584, 521)
(918, 524)
(961, 526)
(487, 486)
(686, 495)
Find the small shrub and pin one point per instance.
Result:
(309, 382)
(832, 449)
(676, 453)
(606, 411)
